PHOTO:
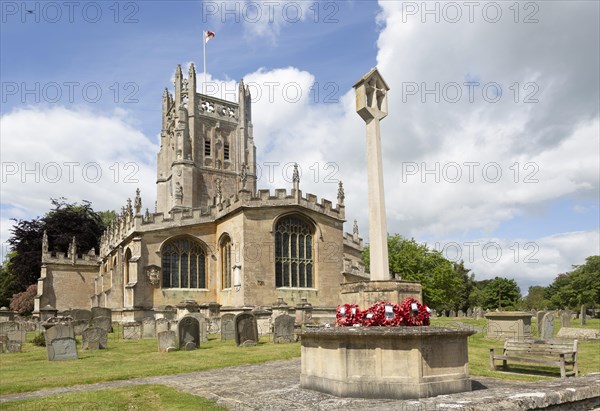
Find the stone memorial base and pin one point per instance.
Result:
(385, 362)
(367, 293)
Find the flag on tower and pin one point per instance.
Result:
(208, 35)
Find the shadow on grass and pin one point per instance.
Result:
(526, 370)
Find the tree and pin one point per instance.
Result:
(442, 286)
(63, 222)
(501, 293)
(535, 298)
(22, 303)
(577, 287)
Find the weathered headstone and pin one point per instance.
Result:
(461, 313)
(565, 319)
(228, 327)
(17, 335)
(469, 312)
(148, 328)
(94, 338)
(480, 314)
(283, 329)
(102, 322)
(13, 346)
(62, 348)
(167, 341)
(101, 312)
(246, 330)
(582, 315)
(81, 314)
(79, 326)
(189, 332)
(132, 330)
(540, 318)
(7, 326)
(547, 326)
(162, 324)
(59, 331)
(452, 313)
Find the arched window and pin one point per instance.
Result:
(226, 262)
(183, 264)
(293, 253)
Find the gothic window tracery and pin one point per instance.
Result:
(183, 264)
(294, 253)
(226, 265)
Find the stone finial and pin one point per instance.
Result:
(129, 208)
(147, 215)
(138, 202)
(296, 174)
(355, 231)
(73, 250)
(340, 195)
(244, 175)
(45, 242)
(155, 206)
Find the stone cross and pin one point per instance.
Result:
(371, 105)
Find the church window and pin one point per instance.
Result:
(183, 264)
(226, 151)
(207, 148)
(293, 253)
(226, 266)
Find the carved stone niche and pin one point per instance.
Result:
(153, 274)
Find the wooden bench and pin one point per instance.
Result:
(545, 352)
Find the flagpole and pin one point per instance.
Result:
(204, 47)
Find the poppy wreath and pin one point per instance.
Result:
(375, 315)
(344, 316)
(420, 317)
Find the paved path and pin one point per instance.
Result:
(275, 386)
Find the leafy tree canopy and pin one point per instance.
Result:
(577, 287)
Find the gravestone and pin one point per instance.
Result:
(17, 335)
(62, 348)
(246, 330)
(79, 326)
(461, 313)
(101, 312)
(565, 319)
(452, 313)
(582, 316)
(94, 338)
(102, 322)
(534, 312)
(13, 346)
(283, 329)
(547, 329)
(469, 312)
(148, 328)
(132, 331)
(228, 327)
(480, 313)
(188, 329)
(81, 314)
(7, 326)
(540, 318)
(167, 341)
(59, 331)
(162, 324)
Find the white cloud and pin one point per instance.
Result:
(73, 153)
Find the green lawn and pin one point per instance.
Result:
(125, 359)
(479, 353)
(138, 397)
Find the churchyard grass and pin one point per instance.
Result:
(138, 397)
(479, 352)
(125, 359)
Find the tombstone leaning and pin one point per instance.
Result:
(547, 330)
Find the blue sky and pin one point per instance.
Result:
(533, 116)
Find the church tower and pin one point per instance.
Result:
(207, 150)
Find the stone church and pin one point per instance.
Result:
(213, 238)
